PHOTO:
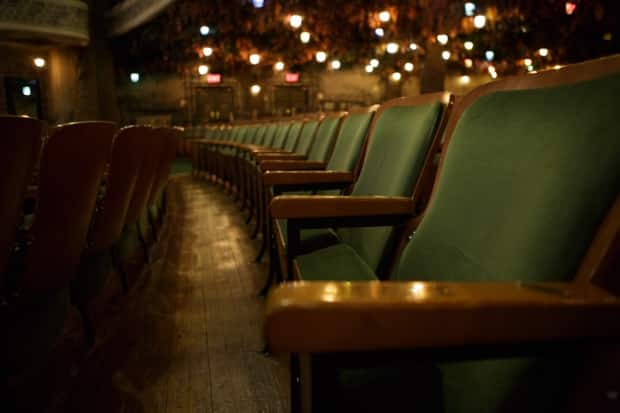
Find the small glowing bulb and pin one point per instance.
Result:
(278, 66)
(480, 21)
(469, 63)
(413, 46)
(408, 67)
(254, 58)
(134, 77)
(530, 68)
(369, 69)
(204, 30)
(491, 69)
(468, 45)
(396, 76)
(442, 39)
(570, 7)
(527, 61)
(26, 91)
(255, 90)
(489, 55)
(543, 52)
(258, 3)
(392, 48)
(39, 62)
(320, 56)
(295, 21)
(203, 70)
(464, 80)
(207, 51)
(304, 37)
(470, 8)
(384, 16)
(557, 67)
(493, 75)
(374, 63)
(335, 64)
(445, 55)
(379, 32)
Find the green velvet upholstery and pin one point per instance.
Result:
(279, 139)
(324, 140)
(270, 135)
(338, 262)
(349, 142)
(396, 153)
(306, 138)
(311, 239)
(293, 136)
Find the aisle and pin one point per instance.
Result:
(191, 336)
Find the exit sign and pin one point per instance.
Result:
(292, 77)
(213, 78)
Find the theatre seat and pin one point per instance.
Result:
(48, 255)
(503, 285)
(404, 136)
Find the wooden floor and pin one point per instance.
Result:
(189, 339)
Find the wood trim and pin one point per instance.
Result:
(353, 316)
(292, 165)
(322, 206)
(271, 178)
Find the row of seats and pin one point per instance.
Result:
(74, 202)
(496, 217)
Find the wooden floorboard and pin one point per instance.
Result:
(191, 338)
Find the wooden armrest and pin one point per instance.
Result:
(351, 316)
(291, 165)
(284, 156)
(322, 206)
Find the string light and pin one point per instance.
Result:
(207, 51)
(320, 56)
(468, 63)
(384, 16)
(379, 32)
(489, 55)
(468, 45)
(295, 21)
(134, 77)
(304, 37)
(396, 76)
(442, 39)
(392, 48)
(255, 90)
(445, 55)
(527, 61)
(204, 30)
(278, 66)
(480, 21)
(413, 46)
(369, 69)
(335, 64)
(470, 8)
(39, 62)
(203, 70)
(254, 58)
(408, 67)
(543, 52)
(374, 63)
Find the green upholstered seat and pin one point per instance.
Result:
(293, 136)
(338, 262)
(306, 137)
(527, 178)
(401, 138)
(325, 135)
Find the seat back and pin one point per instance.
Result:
(292, 139)
(306, 137)
(401, 137)
(71, 172)
(20, 141)
(259, 136)
(279, 139)
(270, 135)
(351, 137)
(324, 140)
(125, 162)
(530, 172)
(154, 146)
(165, 163)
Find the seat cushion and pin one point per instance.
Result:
(311, 239)
(336, 263)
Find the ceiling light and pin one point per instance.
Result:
(480, 21)
(379, 32)
(134, 77)
(207, 51)
(445, 55)
(203, 70)
(255, 90)
(374, 63)
(254, 58)
(320, 56)
(442, 39)
(392, 48)
(396, 76)
(468, 45)
(408, 67)
(295, 21)
(335, 64)
(39, 62)
(304, 37)
(204, 30)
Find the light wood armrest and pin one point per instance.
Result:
(271, 178)
(322, 206)
(291, 165)
(351, 316)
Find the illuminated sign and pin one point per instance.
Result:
(292, 78)
(213, 78)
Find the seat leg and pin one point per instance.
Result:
(295, 383)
